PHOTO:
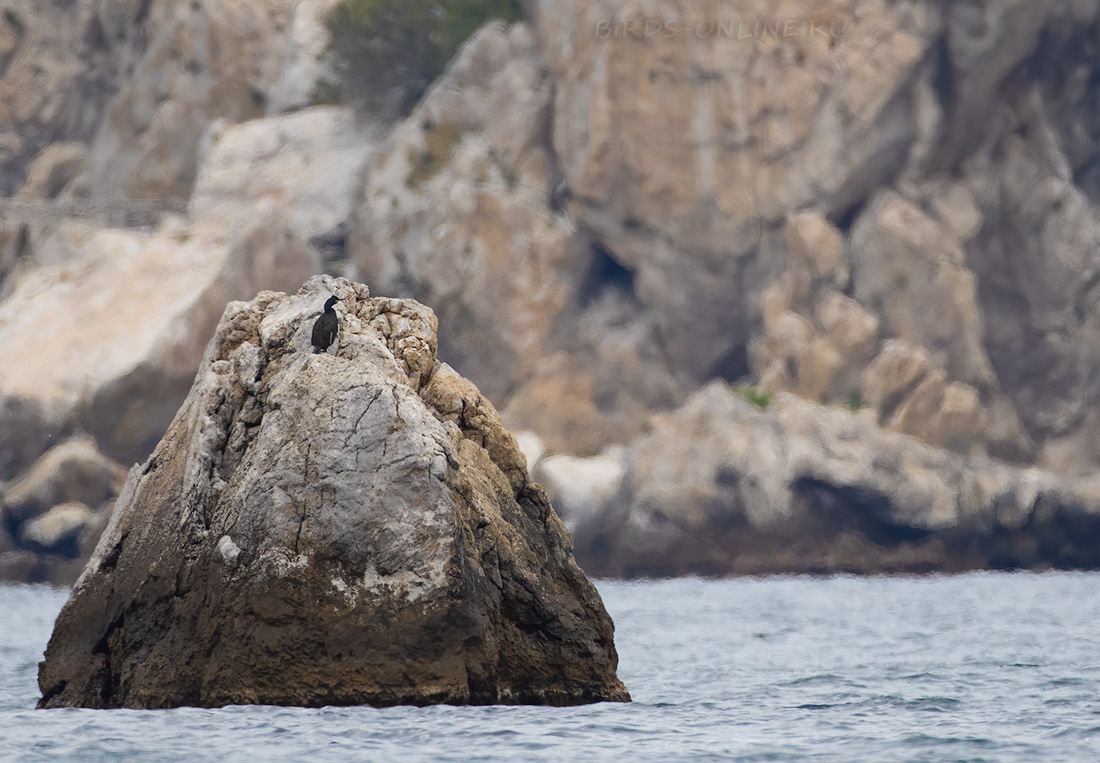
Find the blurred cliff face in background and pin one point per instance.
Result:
(766, 285)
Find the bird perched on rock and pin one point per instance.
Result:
(324, 330)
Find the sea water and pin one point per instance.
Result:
(982, 667)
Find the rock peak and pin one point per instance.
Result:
(356, 528)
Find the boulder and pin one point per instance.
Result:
(319, 529)
(52, 515)
(74, 471)
(912, 272)
(61, 530)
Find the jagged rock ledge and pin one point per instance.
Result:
(354, 527)
(724, 486)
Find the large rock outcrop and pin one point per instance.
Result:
(729, 485)
(139, 83)
(684, 149)
(459, 209)
(345, 528)
(883, 205)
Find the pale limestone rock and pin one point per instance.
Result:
(454, 211)
(681, 149)
(157, 297)
(854, 333)
(227, 552)
(52, 515)
(893, 376)
(58, 243)
(911, 394)
(816, 260)
(307, 162)
(202, 61)
(790, 356)
(815, 340)
(912, 273)
(59, 66)
(1037, 259)
(303, 62)
(74, 471)
(530, 444)
(957, 211)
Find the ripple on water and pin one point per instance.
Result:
(989, 667)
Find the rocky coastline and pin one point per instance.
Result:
(752, 304)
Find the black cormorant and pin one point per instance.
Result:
(324, 330)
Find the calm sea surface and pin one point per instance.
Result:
(987, 667)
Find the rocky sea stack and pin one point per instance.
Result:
(316, 529)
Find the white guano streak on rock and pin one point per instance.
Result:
(227, 551)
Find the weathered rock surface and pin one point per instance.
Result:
(202, 61)
(683, 150)
(723, 487)
(73, 471)
(60, 64)
(307, 163)
(52, 516)
(453, 210)
(886, 205)
(708, 157)
(342, 528)
(136, 84)
(304, 66)
(157, 297)
(457, 210)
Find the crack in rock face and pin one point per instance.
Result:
(331, 529)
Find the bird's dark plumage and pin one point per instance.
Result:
(324, 330)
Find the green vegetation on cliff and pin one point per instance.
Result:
(758, 397)
(387, 52)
